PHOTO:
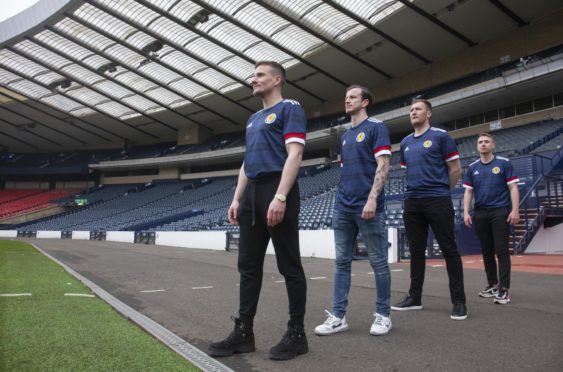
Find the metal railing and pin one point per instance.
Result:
(545, 192)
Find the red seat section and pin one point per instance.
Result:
(16, 202)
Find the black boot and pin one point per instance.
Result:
(293, 343)
(241, 340)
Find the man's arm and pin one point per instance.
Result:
(467, 197)
(381, 176)
(514, 216)
(290, 170)
(454, 171)
(239, 191)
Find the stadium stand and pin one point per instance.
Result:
(146, 205)
(20, 202)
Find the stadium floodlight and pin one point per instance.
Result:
(200, 17)
(109, 67)
(62, 83)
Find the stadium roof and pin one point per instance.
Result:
(85, 73)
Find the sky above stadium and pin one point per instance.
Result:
(11, 8)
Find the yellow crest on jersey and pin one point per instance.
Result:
(427, 143)
(360, 137)
(270, 119)
(496, 170)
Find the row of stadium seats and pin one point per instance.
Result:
(17, 202)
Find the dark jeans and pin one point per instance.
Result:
(493, 230)
(254, 237)
(437, 213)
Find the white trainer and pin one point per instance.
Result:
(381, 325)
(332, 324)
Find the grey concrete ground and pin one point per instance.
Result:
(526, 335)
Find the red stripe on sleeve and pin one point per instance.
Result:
(378, 149)
(294, 135)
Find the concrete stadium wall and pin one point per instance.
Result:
(547, 241)
(44, 234)
(81, 235)
(313, 243)
(215, 240)
(8, 233)
(121, 236)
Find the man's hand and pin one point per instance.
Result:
(514, 217)
(232, 213)
(368, 213)
(467, 220)
(276, 211)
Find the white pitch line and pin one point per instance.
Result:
(208, 287)
(469, 261)
(79, 295)
(318, 277)
(153, 290)
(352, 274)
(14, 294)
(437, 265)
(370, 272)
(398, 270)
(280, 281)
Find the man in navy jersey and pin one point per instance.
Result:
(266, 206)
(433, 168)
(491, 180)
(366, 150)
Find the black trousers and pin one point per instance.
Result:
(437, 213)
(493, 230)
(253, 242)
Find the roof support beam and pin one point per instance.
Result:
(439, 23)
(139, 72)
(67, 114)
(374, 29)
(181, 73)
(507, 11)
(326, 40)
(84, 104)
(43, 112)
(18, 140)
(112, 79)
(15, 126)
(178, 47)
(3, 107)
(92, 87)
(232, 20)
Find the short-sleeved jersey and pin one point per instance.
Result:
(425, 157)
(361, 145)
(490, 181)
(267, 133)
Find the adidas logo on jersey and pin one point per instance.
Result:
(407, 149)
(476, 173)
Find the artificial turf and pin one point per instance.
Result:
(49, 331)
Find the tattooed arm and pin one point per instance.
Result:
(379, 180)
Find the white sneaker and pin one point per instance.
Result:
(333, 324)
(381, 325)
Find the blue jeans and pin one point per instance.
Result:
(346, 227)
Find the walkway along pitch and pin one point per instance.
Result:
(194, 292)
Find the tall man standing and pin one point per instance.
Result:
(266, 206)
(366, 150)
(491, 180)
(433, 169)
